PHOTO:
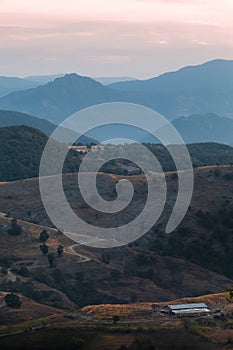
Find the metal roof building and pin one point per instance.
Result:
(188, 309)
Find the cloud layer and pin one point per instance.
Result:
(108, 37)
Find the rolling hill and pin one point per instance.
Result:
(21, 148)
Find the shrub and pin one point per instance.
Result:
(116, 318)
(13, 300)
(44, 236)
(60, 250)
(44, 248)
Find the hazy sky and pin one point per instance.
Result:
(140, 38)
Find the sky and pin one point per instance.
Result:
(138, 38)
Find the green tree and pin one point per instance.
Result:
(60, 250)
(44, 236)
(13, 300)
(15, 229)
(230, 290)
(44, 248)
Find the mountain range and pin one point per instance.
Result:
(205, 128)
(206, 88)
(203, 91)
(60, 98)
(11, 84)
(193, 129)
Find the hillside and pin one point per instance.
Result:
(198, 128)
(60, 98)
(194, 260)
(12, 118)
(205, 128)
(30, 310)
(201, 154)
(21, 148)
(75, 281)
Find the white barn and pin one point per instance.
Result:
(188, 309)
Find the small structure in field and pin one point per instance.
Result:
(191, 309)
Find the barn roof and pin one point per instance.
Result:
(187, 306)
(190, 311)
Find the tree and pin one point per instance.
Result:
(15, 229)
(60, 250)
(230, 290)
(13, 300)
(51, 259)
(44, 248)
(115, 318)
(44, 236)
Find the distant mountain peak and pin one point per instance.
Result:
(72, 78)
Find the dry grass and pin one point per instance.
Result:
(142, 311)
(30, 310)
